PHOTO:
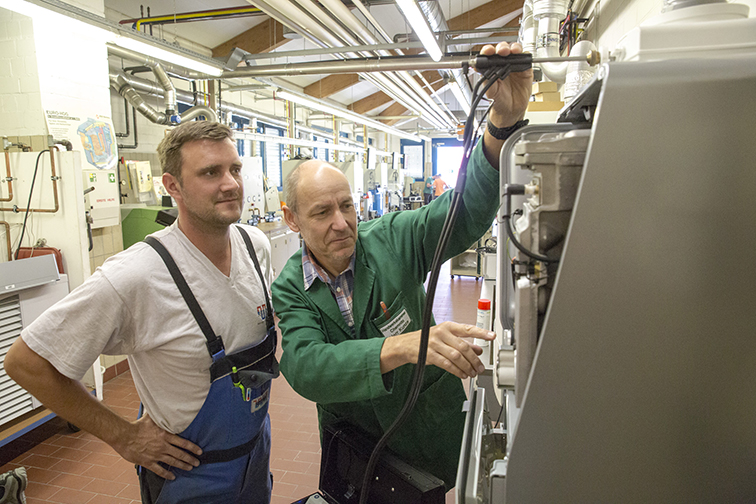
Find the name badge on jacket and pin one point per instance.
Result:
(396, 324)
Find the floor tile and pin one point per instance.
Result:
(76, 467)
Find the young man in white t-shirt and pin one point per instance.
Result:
(186, 375)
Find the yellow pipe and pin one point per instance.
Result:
(335, 139)
(195, 15)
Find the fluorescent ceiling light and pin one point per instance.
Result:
(460, 96)
(419, 24)
(343, 113)
(48, 23)
(99, 28)
(167, 56)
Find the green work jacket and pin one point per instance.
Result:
(324, 363)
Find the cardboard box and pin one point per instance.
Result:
(545, 106)
(545, 87)
(546, 97)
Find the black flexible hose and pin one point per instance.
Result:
(489, 77)
(28, 204)
(509, 190)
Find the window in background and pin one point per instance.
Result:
(319, 152)
(449, 159)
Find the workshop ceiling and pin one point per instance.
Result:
(257, 33)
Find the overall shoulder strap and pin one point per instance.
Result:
(251, 249)
(214, 342)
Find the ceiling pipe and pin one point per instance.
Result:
(140, 58)
(528, 28)
(365, 12)
(186, 17)
(432, 12)
(351, 66)
(343, 14)
(130, 94)
(285, 14)
(323, 37)
(167, 85)
(121, 84)
(150, 88)
(330, 33)
(199, 110)
(334, 51)
(344, 36)
(547, 15)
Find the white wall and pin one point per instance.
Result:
(64, 229)
(20, 99)
(73, 71)
(614, 18)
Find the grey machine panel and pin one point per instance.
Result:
(643, 386)
(25, 273)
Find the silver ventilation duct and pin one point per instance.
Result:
(317, 25)
(151, 89)
(547, 14)
(140, 58)
(129, 87)
(199, 110)
(168, 87)
(344, 15)
(432, 12)
(121, 85)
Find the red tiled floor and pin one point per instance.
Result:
(78, 468)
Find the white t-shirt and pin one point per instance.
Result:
(131, 306)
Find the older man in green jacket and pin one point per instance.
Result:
(350, 302)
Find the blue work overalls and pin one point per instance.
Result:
(232, 427)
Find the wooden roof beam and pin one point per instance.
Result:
(331, 85)
(477, 17)
(261, 38)
(371, 102)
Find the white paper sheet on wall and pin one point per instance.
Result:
(413, 158)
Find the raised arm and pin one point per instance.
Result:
(510, 97)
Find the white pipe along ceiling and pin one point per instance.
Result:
(328, 24)
(323, 30)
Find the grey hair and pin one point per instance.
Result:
(291, 185)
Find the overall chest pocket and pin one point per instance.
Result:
(394, 319)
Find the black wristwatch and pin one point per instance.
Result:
(504, 133)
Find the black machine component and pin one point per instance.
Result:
(346, 451)
(166, 216)
(582, 108)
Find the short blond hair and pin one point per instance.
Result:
(169, 150)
